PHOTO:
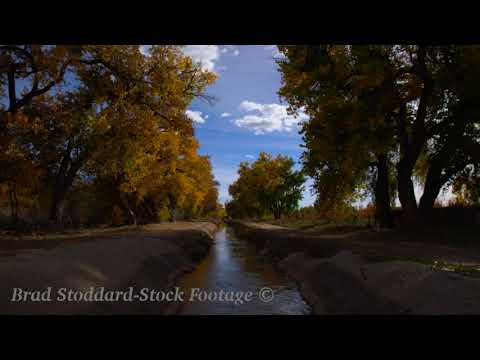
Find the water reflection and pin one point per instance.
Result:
(234, 265)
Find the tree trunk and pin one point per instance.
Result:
(12, 98)
(56, 211)
(58, 204)
(277, 212)
(433, 186)
(149, 211)
(442, 168)
(433, 182)
(10, 197)
(406, 195)
(412, 144)
(124, 201)
(15, 199)
(63, 183)
(12, 194)
(438, 174)
(383, 211)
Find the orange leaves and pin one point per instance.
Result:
(123, 118)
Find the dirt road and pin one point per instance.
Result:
(152, 257)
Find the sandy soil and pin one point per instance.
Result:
(153, 256)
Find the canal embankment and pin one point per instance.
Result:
(364, 272)
(150, 257)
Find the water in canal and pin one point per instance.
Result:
(234, 265)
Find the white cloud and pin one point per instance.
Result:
(230, 50)
(206, 55)
(145, 49)
(266, 118)
(274, 50)
(196, 116)
(225, 114)
(248, 156)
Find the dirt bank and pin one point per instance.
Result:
(347, 272)
(152, 257)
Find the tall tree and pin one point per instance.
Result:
(351, 115)
(389, 105)
(118, 104)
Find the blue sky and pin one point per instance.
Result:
(247, 116)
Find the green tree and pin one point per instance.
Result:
(268, 186)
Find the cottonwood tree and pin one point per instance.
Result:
(26, 72)
(268, 186)
(389, 106)
(111, 114)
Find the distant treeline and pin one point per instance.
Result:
(266, 187)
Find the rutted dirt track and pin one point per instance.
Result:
(154, 256)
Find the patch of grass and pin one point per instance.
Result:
(403, 258)
(438, 265)
(456, 267)
(316, 225)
